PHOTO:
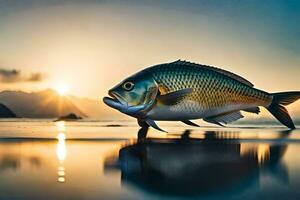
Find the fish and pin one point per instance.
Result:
(185, 91)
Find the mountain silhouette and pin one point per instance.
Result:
(5, 112)
(44, 104)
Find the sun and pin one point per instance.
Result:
(62, 89)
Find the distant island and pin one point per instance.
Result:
(69, 117)
(5, 112)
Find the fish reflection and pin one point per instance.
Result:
(189, 166)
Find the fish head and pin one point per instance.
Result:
(135, 94)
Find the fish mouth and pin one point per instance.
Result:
(115, 101)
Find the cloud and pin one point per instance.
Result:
(13, 76)
(35, 77)
(7, 75)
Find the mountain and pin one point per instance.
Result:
(44, 104)
(5, 112)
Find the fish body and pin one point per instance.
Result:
(213, 93)
(182, 91)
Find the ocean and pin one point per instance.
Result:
(42, 159)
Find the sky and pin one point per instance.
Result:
(89, 46)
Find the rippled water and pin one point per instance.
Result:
(115, 160)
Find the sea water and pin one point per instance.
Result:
(42, 159)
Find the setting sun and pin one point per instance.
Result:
(62, 89)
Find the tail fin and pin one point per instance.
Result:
(279, 111)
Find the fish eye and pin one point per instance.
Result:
(128, 86)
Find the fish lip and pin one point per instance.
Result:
(109, 101)
(117, 98)
(114, 103)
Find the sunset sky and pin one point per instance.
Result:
(86, 47)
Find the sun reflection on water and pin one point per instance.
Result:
(61, 152)
(60, 125)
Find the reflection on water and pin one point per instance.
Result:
(206, 164)
(13, 160)
(60, 125)
(61, 151)
(189, 166)
(259, 151)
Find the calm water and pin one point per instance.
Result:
(100, 160)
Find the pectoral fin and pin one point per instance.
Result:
(142, 123)
(152, 123)
(224, 118)
(188, 122)
(174, 97)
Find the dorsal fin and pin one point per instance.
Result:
(221, 71)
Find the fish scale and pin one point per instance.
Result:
(211, 90)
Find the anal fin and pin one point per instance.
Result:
(225, 118)
(211, 120)
(254, 110)
(188, 122)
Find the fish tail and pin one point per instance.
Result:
(277, 109)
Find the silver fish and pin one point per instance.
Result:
(183, 91)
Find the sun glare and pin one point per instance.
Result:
(62, 89)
